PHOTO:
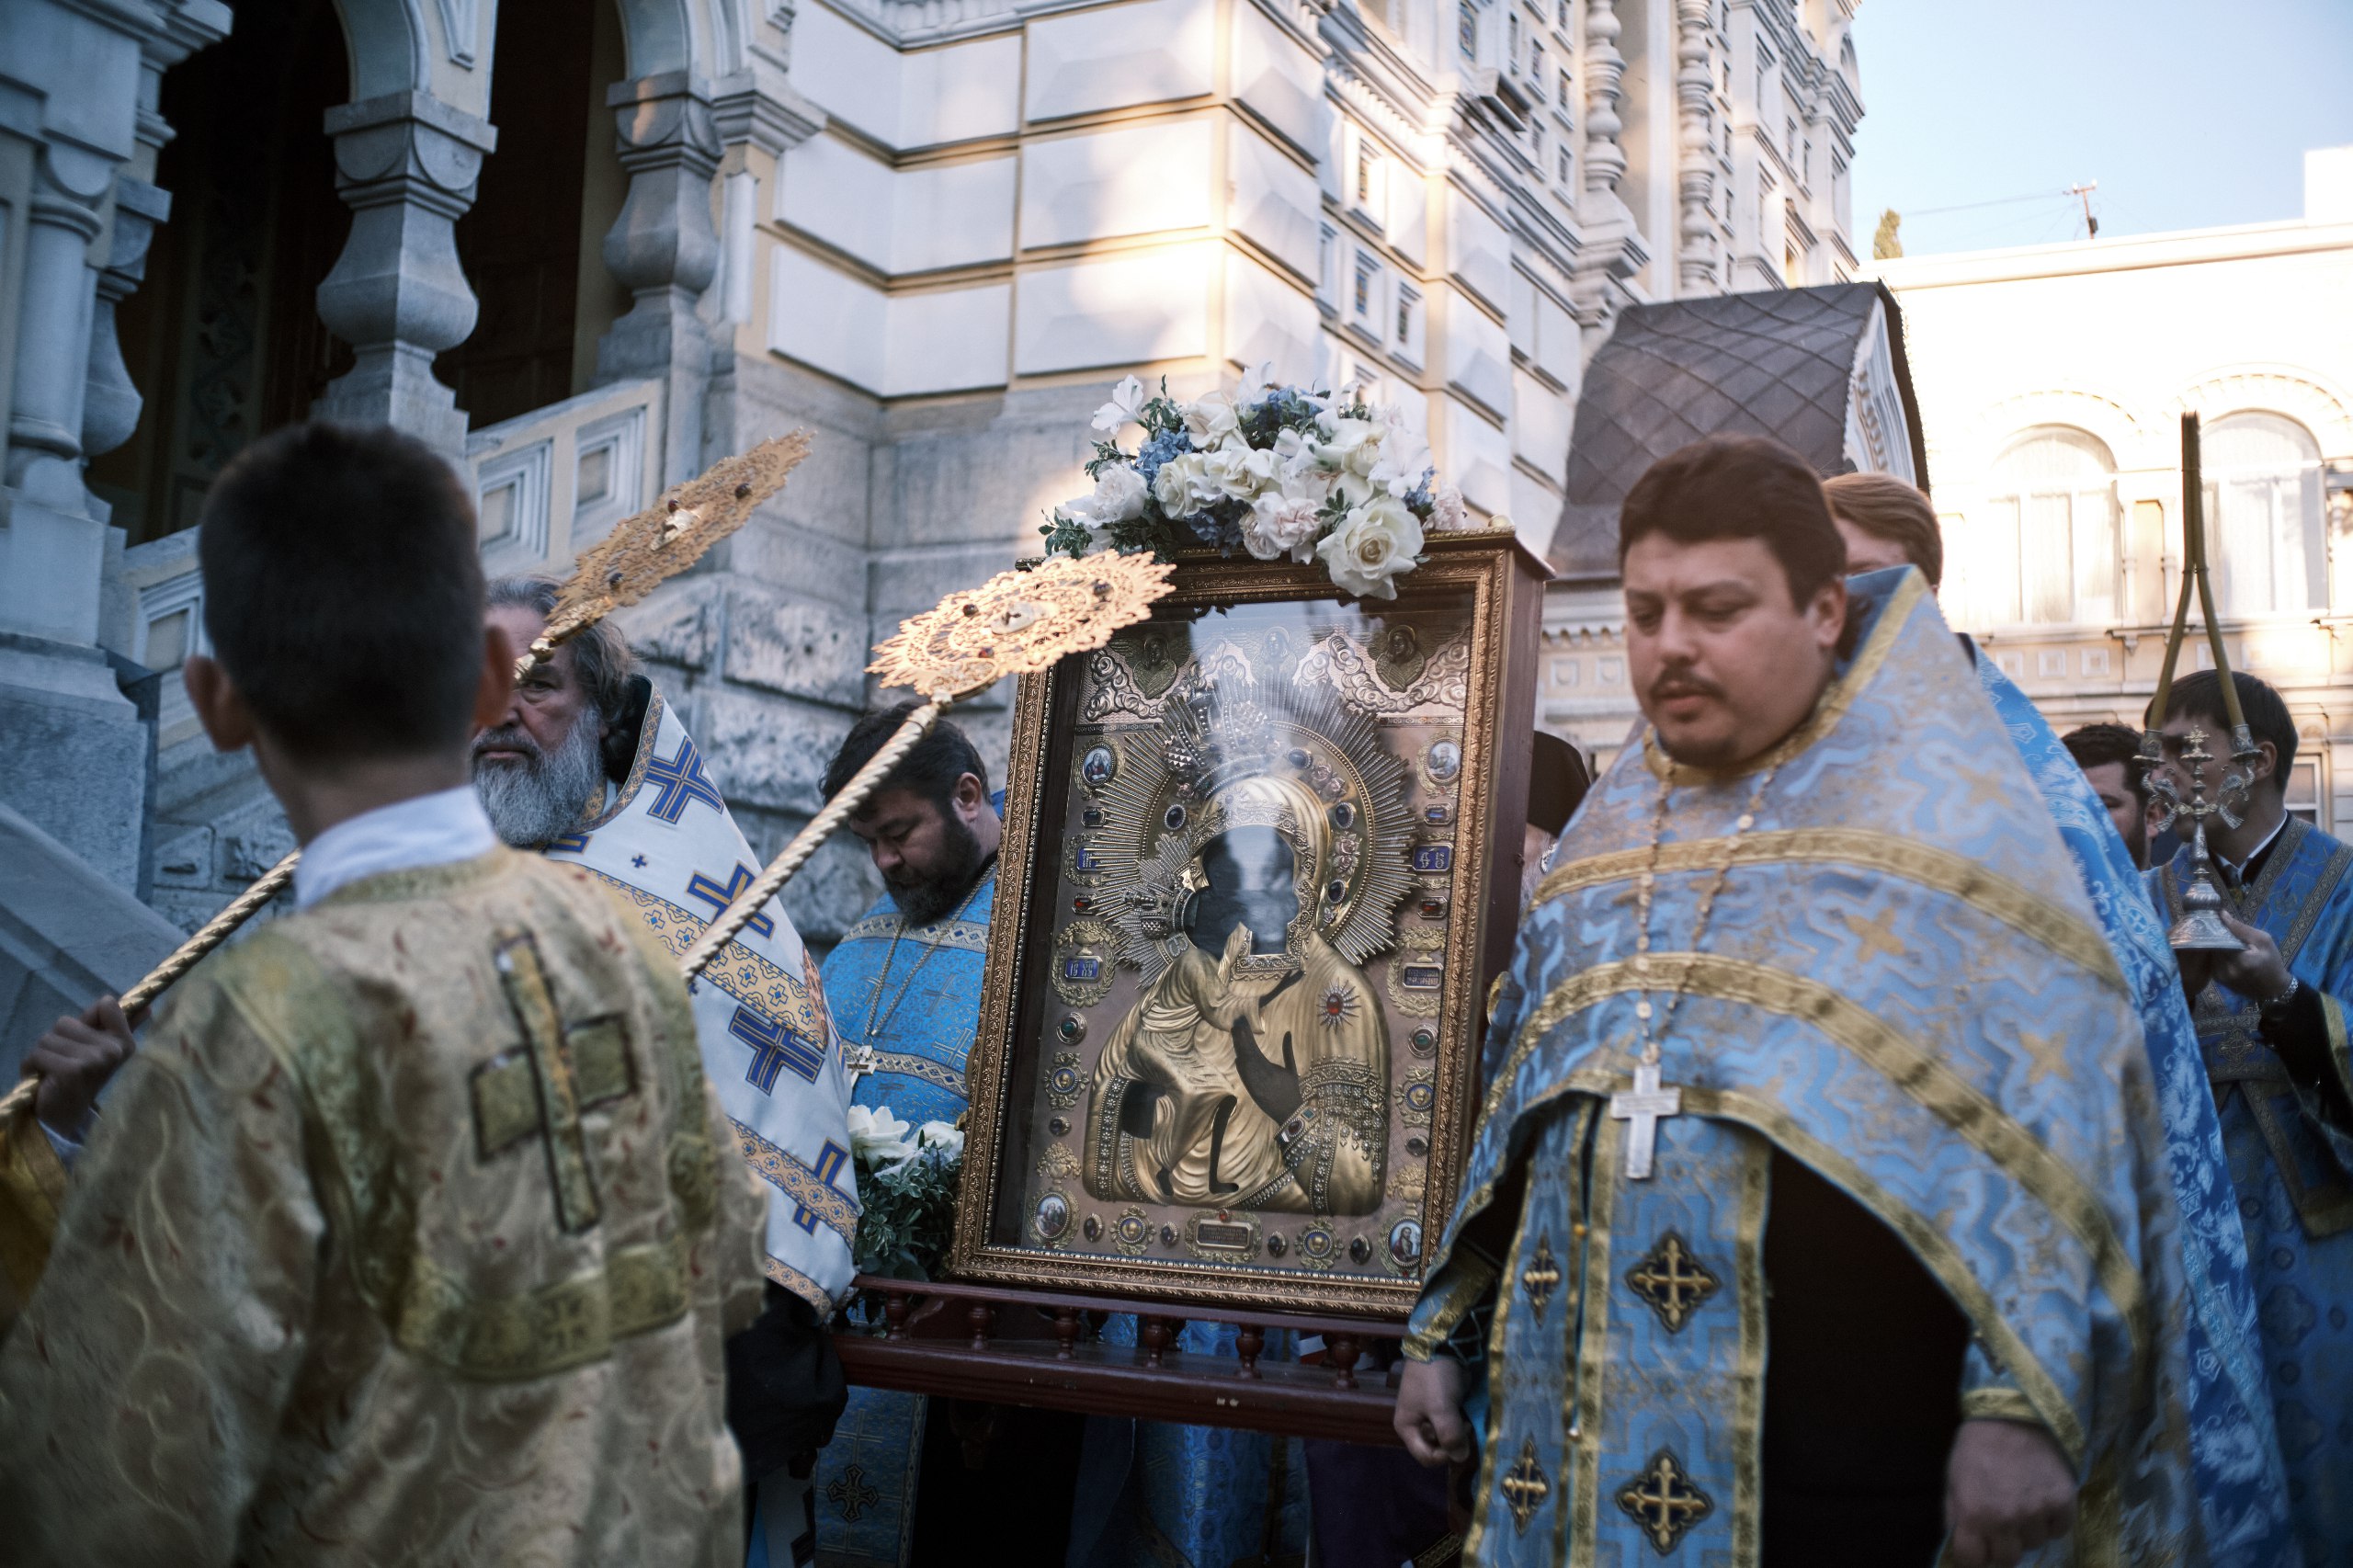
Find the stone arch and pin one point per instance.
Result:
(387, 43)
(2289, 391)
(662, 36)
(2102, 418)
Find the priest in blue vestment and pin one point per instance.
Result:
(1820, 1206)
(2272, 1022)
(2240, 1478)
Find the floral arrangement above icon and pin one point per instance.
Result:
(1270, 470)
(907, 1180)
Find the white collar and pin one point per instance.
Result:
(423, 830)
(2237, 869)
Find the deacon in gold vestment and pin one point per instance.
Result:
(412, 1233)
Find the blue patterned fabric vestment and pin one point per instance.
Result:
(2242, 1487)
(1904, 987)
(2292, 1169)
(914, 998)
(666, 847)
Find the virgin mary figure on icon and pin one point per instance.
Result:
(1254, 1073)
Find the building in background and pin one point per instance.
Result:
(2052, 384)
(585, 246)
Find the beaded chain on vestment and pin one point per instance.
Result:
(866, 1041)
(1642, 888)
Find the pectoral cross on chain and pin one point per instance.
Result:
(1641, 1107)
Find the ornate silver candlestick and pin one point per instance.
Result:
(2200, 927)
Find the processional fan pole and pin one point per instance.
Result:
(640, 553)
(1018, 622)
(2200, 927)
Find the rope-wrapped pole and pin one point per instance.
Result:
(208, 936)
(247, 904)
(839, 810)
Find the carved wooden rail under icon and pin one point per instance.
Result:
(1035, 1348)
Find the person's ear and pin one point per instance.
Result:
(969, 798)
(219, 706)
(496, 688)
(1827, 611)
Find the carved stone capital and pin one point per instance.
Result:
(758, 106)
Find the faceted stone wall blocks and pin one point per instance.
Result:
(796, 647)
(1125, 311)
(1154, 51)
(1142, 180)
(766, 751)
(1274, 200)
(1278, 80)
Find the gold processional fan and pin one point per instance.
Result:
(1018, 622)
(2200, 927)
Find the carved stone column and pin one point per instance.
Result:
(406, 165)
(665, 252)
(110, 404)
(1604, 73)
(54, 326)
(1696, 166)
(1613, 248)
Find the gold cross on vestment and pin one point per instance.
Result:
(1664, 1501)
(1524, 1486)
(544, 1085)
(1641, 1109)
(1877, 936)
(1672, 1282)
(1540, 1278)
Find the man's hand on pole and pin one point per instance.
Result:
(75, 1059)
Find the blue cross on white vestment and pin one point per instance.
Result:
(774, 1046)
(708, 890)
(680, 780)
(831, 1159)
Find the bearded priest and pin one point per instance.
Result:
(1819, 1208)
(589, 765)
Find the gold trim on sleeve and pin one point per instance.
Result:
(1996, 1403)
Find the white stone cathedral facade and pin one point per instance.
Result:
(932, 230)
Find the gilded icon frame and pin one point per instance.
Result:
(1032, 1072)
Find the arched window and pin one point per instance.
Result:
(2263, 510)
(2048, 549)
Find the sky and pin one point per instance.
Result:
(2190, 115)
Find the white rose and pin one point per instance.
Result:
(1212, 420)
(1278, 524)
(879, 1138)
(1126, 401)
(1353, 488)
(1119, 495)
(1173, 485)
(1340, 444)
(944, 1135)
(1371, 545)
(1446, 509)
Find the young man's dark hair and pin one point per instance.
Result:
(1887, 507)
(2096, 744)
(1739, 487)
(2199, 695)
(930, 769)
(343, 591)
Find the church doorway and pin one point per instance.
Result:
(532, 243)
(223, 340)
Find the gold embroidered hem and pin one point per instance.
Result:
(1998, 1404)
(32, 1185)
(406, 1238)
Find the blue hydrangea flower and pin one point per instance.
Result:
(1158, 450)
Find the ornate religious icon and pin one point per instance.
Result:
(1255, 1040)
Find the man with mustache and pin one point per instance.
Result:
(588, 764)
(1818, 1213)
(2094, 774)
